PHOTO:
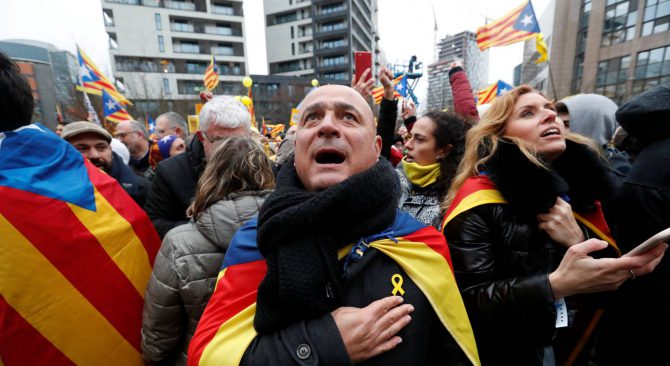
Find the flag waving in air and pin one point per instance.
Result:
(518, 25)
(400, 85)
(212, 75)
(113, 110)
(77, 254)
(487, 95)
(91, 80)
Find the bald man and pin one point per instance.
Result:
(318, 299)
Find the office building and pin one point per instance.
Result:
(610, 47)
(463, 47)
(318, 38)
(161, 48)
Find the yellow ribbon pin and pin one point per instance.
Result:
(396, 280)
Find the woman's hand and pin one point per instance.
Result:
(386, 78)
(580, 273)
(364, 88)
(560, 224)
(409, 110)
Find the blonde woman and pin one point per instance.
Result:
(527, 237)
(234, 185)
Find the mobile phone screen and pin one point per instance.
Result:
(362, 62)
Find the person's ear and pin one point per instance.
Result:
(378, 145)
(179, 132)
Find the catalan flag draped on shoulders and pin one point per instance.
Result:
(77, 253)
(282, 277)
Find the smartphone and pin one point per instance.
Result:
(658, 238)
(362, 62)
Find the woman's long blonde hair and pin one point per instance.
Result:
(483, 138)
(237, 164)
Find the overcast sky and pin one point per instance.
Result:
(405, 27)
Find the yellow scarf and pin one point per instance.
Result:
(421, 175)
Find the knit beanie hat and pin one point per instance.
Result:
(165, 144)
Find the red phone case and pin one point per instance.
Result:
(363, 61)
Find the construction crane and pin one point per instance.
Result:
(413, 71)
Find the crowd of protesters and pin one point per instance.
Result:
(452, 237)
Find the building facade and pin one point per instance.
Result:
(463, 47)
(617, 48)
(52, 74)
(161, 48)
(318, 38)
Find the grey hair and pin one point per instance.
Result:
(224, 111)
(136, 126)
(175, 120)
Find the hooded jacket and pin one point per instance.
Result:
(174, 187)
(592, 115)
(185, 273)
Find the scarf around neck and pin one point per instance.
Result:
(300, 232)
(421, 175)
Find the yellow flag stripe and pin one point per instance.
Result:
(482, 197)
(231, 340)
(432, 274)
(55, 308)
(597, 231)
(122, 245)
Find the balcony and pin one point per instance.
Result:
(182, 27)
(336, 13)
(331, 30)
(179, 5)
(325, 51)
(186, 48)
(223, 51)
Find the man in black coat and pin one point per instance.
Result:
(177, 177)
(632, 326)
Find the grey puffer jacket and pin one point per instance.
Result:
(422, 203)
(185, 273)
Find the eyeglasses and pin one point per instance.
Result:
(121, 134)
(213, 140)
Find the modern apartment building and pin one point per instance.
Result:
(463, 47)
(318, 38)
(617, 48)
(161, 48)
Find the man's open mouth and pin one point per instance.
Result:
(329, 157)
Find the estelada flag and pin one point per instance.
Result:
(77, 253)
(399, 84)
(226, 327)
(518, 25)
(211, 78)
(92, 80)
(487, 95)
(113, 110)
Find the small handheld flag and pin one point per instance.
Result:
(400, 85)
(212, 75)
(492, 91)
(112, 110)
(91, 80)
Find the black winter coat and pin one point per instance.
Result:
(631, 326)
(137, 187)
(174, 187)
(502, 259)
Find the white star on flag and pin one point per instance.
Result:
(166, 138)
(111, 105)
(527, 20)
(83, 72)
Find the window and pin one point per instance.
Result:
(157, 18)
(286, 18)
(223, 9)
(335, 76)
(332, 8)
(292, 32)
(620, 19)
(327, 27)
(331, 61)
(292, 48)
(656, 17)
(108, 16)
(166, 86)
(223, 49)
(161, 44)
(113, 44)
(187, 47)
(611, 78)
(333, 43)
(652, 68)
(195, 67)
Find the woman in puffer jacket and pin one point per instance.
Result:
(529, 245)
(236, 181)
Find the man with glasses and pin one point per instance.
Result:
(177, 177)
(134, 135)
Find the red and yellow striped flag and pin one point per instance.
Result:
(378, 92)
(77, 253)
(518, 25)
(212, 75)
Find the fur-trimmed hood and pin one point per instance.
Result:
(579, 173)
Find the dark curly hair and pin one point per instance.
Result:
(450, 129)
(16, 97)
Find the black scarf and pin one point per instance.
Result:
(578, 173)
(300, 232)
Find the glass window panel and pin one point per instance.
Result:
(631, 18)
(587, 7)
(612, 77)
(633, 5)
(622, 76)
(640, 72)
(662, 27)
(651, 83)
(656, 55)
(647, 28)
(653, 70)
(663, 9)
(625, 62)
(643, 58)
(630, 34)
(667, 53)
(638, 87)
(621, 9)
(665, 69)
(649, 13)
(621, 89)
